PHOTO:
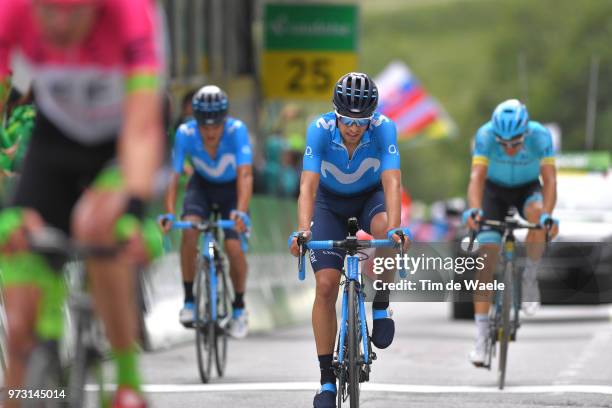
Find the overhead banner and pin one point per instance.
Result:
(404, 100)
(307, 47)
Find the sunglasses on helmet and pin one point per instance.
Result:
(517, 141)
(348, 121)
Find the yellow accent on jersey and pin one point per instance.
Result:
(547, 160)
(480, 160)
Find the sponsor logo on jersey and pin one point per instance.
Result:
(349, 178)
(224, 162)
(329, 125)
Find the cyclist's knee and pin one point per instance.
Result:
(327, 287)
(233, 248)
(533, 211)
(20, 329)
(378, 226)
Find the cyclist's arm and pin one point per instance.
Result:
(171, 193)
(392, 183)
(244, 172)
(549, 187)
(391, 177)
(309, 183)
(476, 185)
(141, 142)
(244, 185)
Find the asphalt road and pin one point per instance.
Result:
(562, 359)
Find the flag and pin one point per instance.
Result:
(404, 100)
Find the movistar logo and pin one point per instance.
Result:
(349, 178)
(225, 161)
(330, 124)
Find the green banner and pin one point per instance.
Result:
(310, 27)
(587, 161)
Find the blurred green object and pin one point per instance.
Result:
(18, 130)
(587, 161)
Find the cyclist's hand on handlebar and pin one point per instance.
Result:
(165, 222)
(471, 217)
(18, 224)
(399, 234)
(294, 248)
(551, 224)
(242, 221)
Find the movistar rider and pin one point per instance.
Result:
(219, 150)
(351, 169)
(511, 155)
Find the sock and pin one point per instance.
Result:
(188, 289)
(327, 371)
(531, 269)
(127, 368)
(238, 302)
(381, 300)
(482, 324)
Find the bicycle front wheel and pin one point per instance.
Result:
(504, 330)
(354, 364)
(224, 311)
(44, 372)
(203, 324)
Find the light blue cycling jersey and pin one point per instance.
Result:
(234, 150)
(326, 154)
(522, 168)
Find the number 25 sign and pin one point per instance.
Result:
(307, 47)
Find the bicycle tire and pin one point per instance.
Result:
(78, 369)
(204, 327)
(354, 366)
(504, 329)
(142, 305)
(224, 307)
(44, 372)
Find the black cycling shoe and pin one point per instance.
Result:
(383, 330)
(325, 398)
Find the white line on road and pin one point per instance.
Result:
(394, 388)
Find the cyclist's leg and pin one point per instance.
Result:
(494, 207)
(374, 218)
(327, 265)
(195, 209)
(530, 205)
(34, 293)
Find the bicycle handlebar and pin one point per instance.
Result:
(206, 226)
(509, 224)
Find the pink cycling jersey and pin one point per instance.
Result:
(82, 90)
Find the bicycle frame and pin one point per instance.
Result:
(353, 274)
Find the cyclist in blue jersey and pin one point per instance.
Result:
(219, 150)
(351, 169)
(511, 154)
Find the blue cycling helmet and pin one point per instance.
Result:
(210, 105)
(355, 95)
(510, 119)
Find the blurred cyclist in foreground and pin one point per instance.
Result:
(97, 69)
(511, 154)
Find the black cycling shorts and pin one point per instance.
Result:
(55, 172)
(497, 199)
(202, 195)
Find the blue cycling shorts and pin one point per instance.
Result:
(201, 196)
(330, 217)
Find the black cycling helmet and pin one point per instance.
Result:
(210, 105)
(356, 95)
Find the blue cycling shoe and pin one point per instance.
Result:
(325, 397)
(383, 328)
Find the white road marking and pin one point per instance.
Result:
(371, 387)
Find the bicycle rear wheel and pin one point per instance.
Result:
(224, 310)
(504, 330)
(203, 324)
(44, 372)
(354, 364)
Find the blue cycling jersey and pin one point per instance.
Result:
(234, 150)
(523, 167)
(326, 154)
